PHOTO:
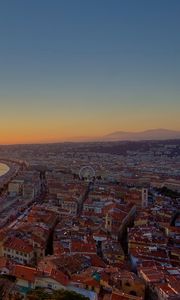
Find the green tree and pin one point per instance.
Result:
(40, 294)
(67, 295)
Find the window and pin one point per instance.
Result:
(133, 293)
(127, 284)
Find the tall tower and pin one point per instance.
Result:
(144, 198)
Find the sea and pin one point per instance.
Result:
(3, 169)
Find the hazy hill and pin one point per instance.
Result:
(152, 134)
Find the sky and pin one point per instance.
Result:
(71, 69)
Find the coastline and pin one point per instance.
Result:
(4, 168)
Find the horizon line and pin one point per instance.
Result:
(86, 139)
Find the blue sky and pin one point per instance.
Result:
(85, 68)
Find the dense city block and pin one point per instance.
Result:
(98, 221)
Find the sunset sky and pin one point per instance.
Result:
(85, 68)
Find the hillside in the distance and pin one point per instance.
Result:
(152, 134)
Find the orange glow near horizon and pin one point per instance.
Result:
(31, 124)
(50, 136)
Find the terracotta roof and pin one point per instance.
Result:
(82, 247)
(24, 272)
(96, 261)
(59, 276)
(123, 296)
(18, 245)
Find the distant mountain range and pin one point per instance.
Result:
(152, 134)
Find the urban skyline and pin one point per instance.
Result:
(90, 221)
